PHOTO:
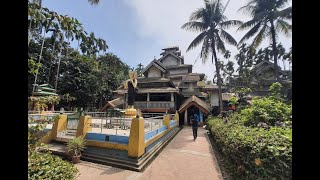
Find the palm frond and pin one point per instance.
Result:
(227, 37)
(198, 14)
(258, 39)
(227, 24)
(248, 10)
(280, 3)
(219, 44)
(194, 26)
(250, 33)
(197, 41)
(283, 26)
(205, 50)
(285, 13)
(249, 24)
(94, 2)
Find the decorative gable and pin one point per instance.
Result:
(170, 60)
(154, 69)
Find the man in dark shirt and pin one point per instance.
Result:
(194, 123)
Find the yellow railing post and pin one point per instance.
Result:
(60, 124)
(166, 120)
(136, 145)
(84, 125)
(176, 117)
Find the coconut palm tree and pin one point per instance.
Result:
(94, 2)
(211, 23)
(281, 53)
(268, 20)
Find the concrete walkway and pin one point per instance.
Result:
(182, 159)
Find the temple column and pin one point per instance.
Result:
(186, 117)
(201, 117)
(148, 99)
(172, 97)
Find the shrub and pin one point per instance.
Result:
(44, 165)
(76, 145)
(266, 110)
(47, 166)
(254, 153)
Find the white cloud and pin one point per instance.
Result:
(161, 20)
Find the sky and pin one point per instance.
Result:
(137, 30)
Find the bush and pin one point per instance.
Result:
(254, 153)
(268, 111)
(47, 166)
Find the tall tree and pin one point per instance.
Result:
(268, 20)
(211, 23)
(94, 2)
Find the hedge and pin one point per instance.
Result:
(47, 166)
(252, 152)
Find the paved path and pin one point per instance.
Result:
(182, 159)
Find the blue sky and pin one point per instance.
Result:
(137, 30)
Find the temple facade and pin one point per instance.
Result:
(169, 85)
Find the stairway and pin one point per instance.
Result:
(65, 136)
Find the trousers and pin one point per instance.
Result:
(195, 131)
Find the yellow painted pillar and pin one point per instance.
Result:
(84, 125)
(166, 120)
(176, 117)
(60, 124)
(136, 145)
(46, 138)
(43, 115)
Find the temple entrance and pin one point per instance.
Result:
(190, 112)
(193, 105)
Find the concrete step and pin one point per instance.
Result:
(64, 138)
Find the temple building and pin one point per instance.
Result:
(169, 85)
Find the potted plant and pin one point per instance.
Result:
(74, 147)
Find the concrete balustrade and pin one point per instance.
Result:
(84, 125)
(135, 145)
(59, 125)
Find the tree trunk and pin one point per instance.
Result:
(29, 35)
(54, 43)
(36, 77)
(57, 76)
(218, 78)
(275, 51)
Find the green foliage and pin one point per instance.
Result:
(275, 90)
(76, 145)
(254, 153)
(233, 100)
(242, 92)
(43, 165)
(268, 111)
(33, 66)
(68, 98)
(47, 166)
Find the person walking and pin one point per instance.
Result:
(195, 123)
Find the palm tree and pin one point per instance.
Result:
(94, 2)
(211, 22)
(47, 23)
(281, 53)
(267, 21)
